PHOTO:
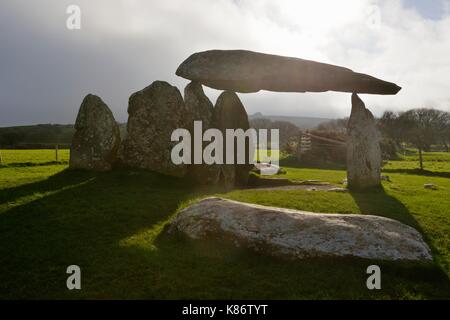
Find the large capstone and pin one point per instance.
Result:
(154, 113)
(300, 234)
(363, 148)
(247, 71)
(97, 136)
(229, 113)
(200, 108)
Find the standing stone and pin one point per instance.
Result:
(97, 136)
(154, 113)
(229, 113)
(363, 150)
(200, 108)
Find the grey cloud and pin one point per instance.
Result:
(125, 45)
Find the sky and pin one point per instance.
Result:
(124, 45)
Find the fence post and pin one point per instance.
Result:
(1, 159)
(56, 153)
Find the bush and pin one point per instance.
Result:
(388, 149)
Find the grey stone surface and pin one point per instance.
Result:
(430, 186)
(154, 113)
(363, 148)
(266, 168)
(198, 104)
(229, 113)
(340, 190)
(299, 234)
(97, 136)
(247, 71)
(200, 108)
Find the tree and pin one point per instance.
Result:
(288, 132)
(443, 129)
(337, 125)
(420, 128)
(388, 125)
(11, 139)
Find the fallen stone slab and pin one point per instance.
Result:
(340, 190)
(313, 182)
(305, 187)
(256, 181)
(300, 234)
(430, 186)
(248, 71)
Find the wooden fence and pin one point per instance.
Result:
(306, 143)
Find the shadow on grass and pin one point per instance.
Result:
(112, 226)
(32, 164)
(294, 162)
(419, 172)
(378, 202)
(81, 222)
(56, 182)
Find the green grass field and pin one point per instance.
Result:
(33, 157)
(112, 226)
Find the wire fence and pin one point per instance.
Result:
(17, 156)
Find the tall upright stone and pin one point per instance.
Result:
(154, 113)
(200, 108)
(97, 136)
(229, 113)
(363, 149)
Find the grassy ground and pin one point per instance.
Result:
(33, 157)
(434, 163)
(112, 226)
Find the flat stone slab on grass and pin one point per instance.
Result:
(300, 234)
(308, 187)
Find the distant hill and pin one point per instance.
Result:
(40, 135)
(48, 135)
(301, 122)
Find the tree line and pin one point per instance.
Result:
(39, 136)
(421, 128)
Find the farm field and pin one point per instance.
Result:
(33, 157)
(113, 226)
